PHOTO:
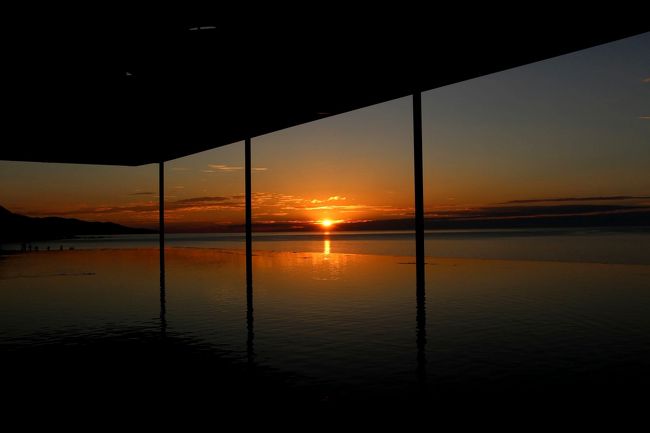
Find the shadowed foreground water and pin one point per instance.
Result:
(327, 328)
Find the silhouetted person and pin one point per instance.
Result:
(30, 247)
(35, 247)
(60, 247)
(48, 248)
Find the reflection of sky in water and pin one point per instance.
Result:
(623, 245)
(344, 319)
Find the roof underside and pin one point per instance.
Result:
(146, 91)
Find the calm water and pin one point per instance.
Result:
(622, 245)
(506, 312)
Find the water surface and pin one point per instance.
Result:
(343, 326)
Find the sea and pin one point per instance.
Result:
(334, 318)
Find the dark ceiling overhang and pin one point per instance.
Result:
(135, 91)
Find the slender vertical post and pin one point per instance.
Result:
(419, 188)
(161, 206)
(249, 254)
(249, 213)
(419, 244)
(161, 237)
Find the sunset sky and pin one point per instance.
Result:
(566, 133)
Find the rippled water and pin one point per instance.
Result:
(343, 325)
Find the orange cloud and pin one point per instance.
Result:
(228, 168)
(224, 167)
(225, 209)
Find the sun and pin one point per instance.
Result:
(327, 223)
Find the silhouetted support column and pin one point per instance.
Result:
(161, 236)
(419, 188)
(161, 207)
(419, 241)
(249, 215)
(249, 253)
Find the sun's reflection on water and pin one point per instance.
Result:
(326, 246)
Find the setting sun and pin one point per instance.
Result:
(327, 223)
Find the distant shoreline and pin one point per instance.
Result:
(17, 228)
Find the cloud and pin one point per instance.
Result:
(180, 169)
(563, 199)
(101, 210)
(188, 204)
(332, 198)
(644, 117)
(261, 214)
(338, 207)
(224, 167)
(143, 193)
(511, 212)
(271, 205)
(195, 200)
(276, 202)
(536, 211)
(228, 168)
(646, 80)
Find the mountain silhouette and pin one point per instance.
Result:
(15, 227)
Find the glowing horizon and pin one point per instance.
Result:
(563, 134)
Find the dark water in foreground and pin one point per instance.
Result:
(331, 327)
